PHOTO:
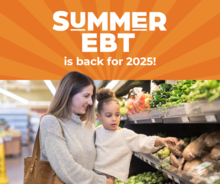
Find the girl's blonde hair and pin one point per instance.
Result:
(71, 84)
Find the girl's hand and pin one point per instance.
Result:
(163, 141)
(110, 181)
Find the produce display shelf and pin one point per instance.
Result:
(149, 159)
(178, 176)
(146, 121)
(123, 118)
(211, 117)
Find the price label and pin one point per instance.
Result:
(214, 178)
(185, 119)
(176, 180)
(153, 120)
(7, 139)
(203, 166)
(169, 176)
(210, 118)
(135, 121)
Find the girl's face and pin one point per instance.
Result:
(82, 100)
(110, 116)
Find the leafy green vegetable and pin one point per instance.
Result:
(145, 178)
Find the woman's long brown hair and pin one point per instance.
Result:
(71, 84)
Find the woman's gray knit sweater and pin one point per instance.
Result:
(72, 157)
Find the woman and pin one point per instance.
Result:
(72, 157)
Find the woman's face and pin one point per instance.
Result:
(82, 100)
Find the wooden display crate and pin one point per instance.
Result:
(12, 145)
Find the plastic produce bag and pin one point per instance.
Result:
(129, 105)
(213, 178)
(139, 102)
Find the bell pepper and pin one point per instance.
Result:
(174, 88)
(158, 92)
(157, 97)
(167, 94)
(162, 102)
(180, 101)
(177, 93)
(211, 84)
(213, 97)
(184, 97)
(180, 85)
(173, 98)
(195, 86)
(207, 94)
(174, 103)
(148, 106)
(187, 91)
(186, 86)
(187, 82)
(202, 89)
(165, 87)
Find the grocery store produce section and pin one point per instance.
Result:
(188, 110)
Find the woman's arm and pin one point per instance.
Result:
(60, 159)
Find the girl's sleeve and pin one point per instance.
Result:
(55, 149)
(139, 142)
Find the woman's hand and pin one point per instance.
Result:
(163, 141)
(110, 181)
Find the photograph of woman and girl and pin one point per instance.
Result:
(84, 154)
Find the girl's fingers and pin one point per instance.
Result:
(173, 139)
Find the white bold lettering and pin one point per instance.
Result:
(126, 38)
(136, 19)
(104, 42)
(57, 18)
(86, 42)
(82, 20)
(125, 19)
(79, 61)
(103, 19)
(159, 24)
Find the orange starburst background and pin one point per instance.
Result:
(189, 49)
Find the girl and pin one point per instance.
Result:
(115, 145)
(71, 156)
